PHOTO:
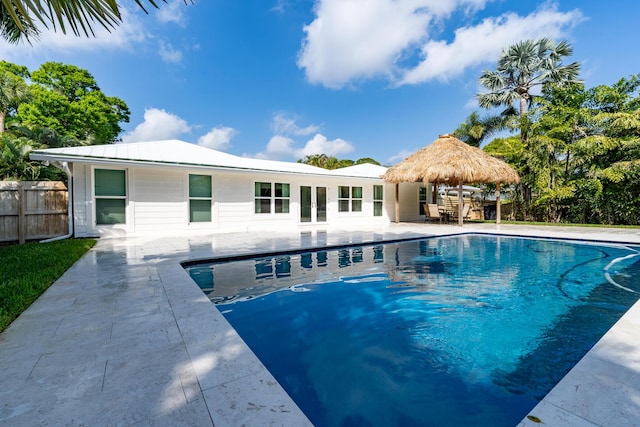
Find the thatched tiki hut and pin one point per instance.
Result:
(449, 160)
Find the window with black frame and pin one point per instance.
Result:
(349, 199)
(272, 197)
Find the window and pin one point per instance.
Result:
(343, 199)
(263, 197)
(200, 198)
(349, 199)
(377, 200)
(111, 196)
(281, 199)
(422, 199)
(272, 197)
(356, 199)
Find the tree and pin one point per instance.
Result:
(477, 129)
(367, 160)
(611, 154)
(320, 160)
(13, 91)
(20, 19)
(16, 28)
(582, 161)
(523, 66)
(68, 100)
(520, 68)
(14, 160)
(330, 162)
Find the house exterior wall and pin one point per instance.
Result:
(80, 200)
(157, 201)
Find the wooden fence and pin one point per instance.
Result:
(33, 210)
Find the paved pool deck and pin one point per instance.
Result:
(125, 338)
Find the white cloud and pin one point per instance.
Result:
(280, 145)
(280, 6)
(169, 54)
(482, 44)
(400, 156)
(319, 144)
(172, 12)
(283, 147)
(218, 138)
(285, 124)
(360, 38)
(351, 40)
(157, 125)
(127, 36)
(130, 32)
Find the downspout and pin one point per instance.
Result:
(65, 167)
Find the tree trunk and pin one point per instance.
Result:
(523, 106)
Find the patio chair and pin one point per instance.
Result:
(466, 210)
(431, 212)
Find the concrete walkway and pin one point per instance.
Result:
(125, 338)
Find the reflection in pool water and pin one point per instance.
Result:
(467, 330)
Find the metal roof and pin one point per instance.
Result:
(366, 170)
(180, 153)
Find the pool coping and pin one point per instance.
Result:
(207, 375)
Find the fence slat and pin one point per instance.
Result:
(22, 206)
(32, 210)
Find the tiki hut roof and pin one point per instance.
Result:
(449, 160)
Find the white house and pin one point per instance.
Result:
(173, 186)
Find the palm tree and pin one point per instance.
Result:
(476, 129)
(15, 28)
(521, 67)
(14, 160)
(19, 19)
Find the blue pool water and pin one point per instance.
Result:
(465, 330)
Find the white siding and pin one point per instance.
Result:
(158, 201)
(233, 198)
(389, 202)
(81, 201)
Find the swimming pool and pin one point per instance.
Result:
(465, 330)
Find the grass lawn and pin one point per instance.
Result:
(26, 271)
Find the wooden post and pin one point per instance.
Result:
(22, 207)
(460, 205)
(397, 203)
(498, 203)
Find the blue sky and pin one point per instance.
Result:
(281, 79)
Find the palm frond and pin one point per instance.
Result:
(76, 16)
